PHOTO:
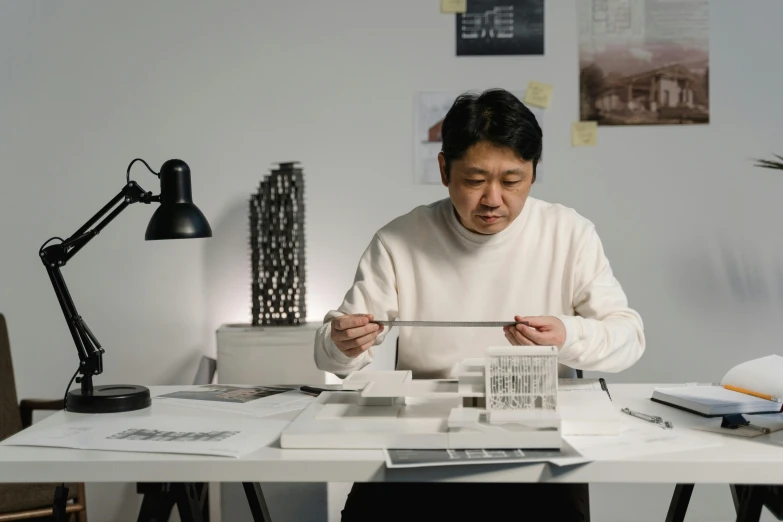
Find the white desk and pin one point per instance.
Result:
(737, 461)
(268, 355)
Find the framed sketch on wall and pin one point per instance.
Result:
(501, 27)
(430, 109)
(644, 62)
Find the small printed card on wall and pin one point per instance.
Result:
(584, 133)
(538, 94)
(453, 6)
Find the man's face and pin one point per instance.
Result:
(488, 186)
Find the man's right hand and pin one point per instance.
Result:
(353, 334)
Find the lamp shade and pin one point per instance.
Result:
(176, 217)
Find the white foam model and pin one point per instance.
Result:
(520, 396)
(392, 410)
(367, 380)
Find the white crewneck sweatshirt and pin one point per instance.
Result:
(426, 266)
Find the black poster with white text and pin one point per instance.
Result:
(501, 27)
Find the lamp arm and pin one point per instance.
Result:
(57, 255)
(130, 193)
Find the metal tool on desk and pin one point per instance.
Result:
(733, 422)
(649, 418)
(450, 323)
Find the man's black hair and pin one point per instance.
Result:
(496, 116)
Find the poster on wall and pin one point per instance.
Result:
(501, 27)
(644, 62)
(430, 110)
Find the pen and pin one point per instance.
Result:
(604, 387)
(315, 390)
(755, 394)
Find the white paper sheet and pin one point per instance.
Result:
(589, 412)
(633, 56)
(638, 438)
(221, 436)
(760, 375)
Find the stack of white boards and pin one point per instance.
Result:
(339, 420)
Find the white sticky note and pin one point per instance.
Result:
(538, 94)
(453, 6)
(584, 133)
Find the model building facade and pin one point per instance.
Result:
(518, 378)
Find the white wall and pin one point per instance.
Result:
(692, 229)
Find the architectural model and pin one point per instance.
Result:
(508, 399)
(519, 395)
(277, 245)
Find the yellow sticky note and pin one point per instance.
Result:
(584, 133)
(453, 6)
(538, 94)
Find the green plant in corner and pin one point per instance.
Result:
(771, 164)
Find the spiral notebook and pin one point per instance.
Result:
(759, 380)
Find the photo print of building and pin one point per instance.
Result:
(644, 62)
(224, 393)
(172, 436)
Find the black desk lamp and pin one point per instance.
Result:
(176, 218)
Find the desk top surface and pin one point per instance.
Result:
(738, 460)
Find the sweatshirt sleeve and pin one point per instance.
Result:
(605, 334)
(374, 291)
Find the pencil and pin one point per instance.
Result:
(755, 394)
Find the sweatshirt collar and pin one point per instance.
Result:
(486, 239)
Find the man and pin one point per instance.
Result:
(489, 252)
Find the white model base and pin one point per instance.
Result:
(367, 379)
(505, 429)
(336, 420)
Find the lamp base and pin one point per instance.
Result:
(110, 398)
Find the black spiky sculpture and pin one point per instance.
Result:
(277, 243)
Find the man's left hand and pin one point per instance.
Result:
(542, 331)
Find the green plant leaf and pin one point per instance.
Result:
(770, 164)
